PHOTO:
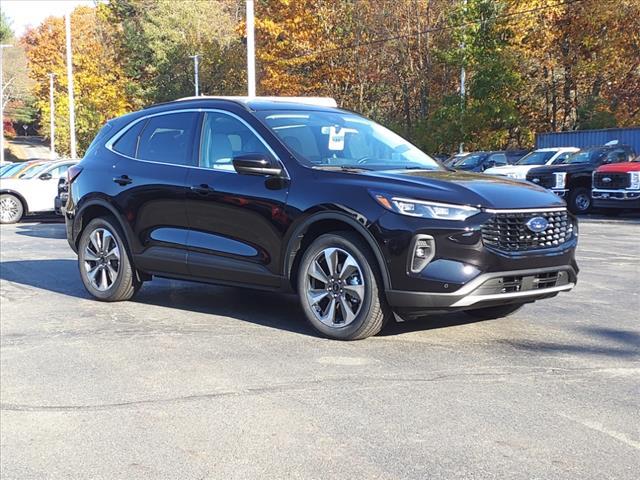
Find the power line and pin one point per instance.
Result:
(433, 30)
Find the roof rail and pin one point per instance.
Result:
(318, 101)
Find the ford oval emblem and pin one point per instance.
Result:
(536, 180)
(606, 179)
(537, 224)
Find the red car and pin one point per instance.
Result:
(617, 186)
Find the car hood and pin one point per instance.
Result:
(466, 188)
(622, 167)
(564, 167)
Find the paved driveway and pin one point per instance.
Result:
(194, 381)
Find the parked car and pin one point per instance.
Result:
(514, 155)
(542, 156)
(286, 196)
(63, 194)
(617, 186)
(572, 178)
(34, 192)
(480, 161)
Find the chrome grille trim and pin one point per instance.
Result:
(507, 231)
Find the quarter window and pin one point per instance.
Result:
(225, 137)
(127, 144)
(168, 138)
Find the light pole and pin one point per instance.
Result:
(196, 65)
(72, 109)
(2, 47)
(463, 87)
(251, 51)
(52, 116)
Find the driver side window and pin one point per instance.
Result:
(225, 137)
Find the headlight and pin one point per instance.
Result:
(635, 180)
(424, 209)
(560, 179)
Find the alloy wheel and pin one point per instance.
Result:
(10, 209)
(102, 259)
(334, 287)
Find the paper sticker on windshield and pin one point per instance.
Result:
(336, 138)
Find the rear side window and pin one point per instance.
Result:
(168, 138)
(127, 144)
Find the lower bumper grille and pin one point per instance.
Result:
(525, 231)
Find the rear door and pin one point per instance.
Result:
(237, 222)
(149, 188)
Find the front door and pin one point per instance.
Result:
(237, 222)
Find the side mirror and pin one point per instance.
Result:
(256, 164)
(45, 176)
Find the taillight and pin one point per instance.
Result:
(73, 172)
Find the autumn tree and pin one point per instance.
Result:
(98, 80)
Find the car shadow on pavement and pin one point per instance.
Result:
(45, 229)
(59, 275)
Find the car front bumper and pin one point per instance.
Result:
(496, 288)
(616, 198)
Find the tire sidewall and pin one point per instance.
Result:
(104, 223)
(20, 209)
(371, 285)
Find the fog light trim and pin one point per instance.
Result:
(422, 251)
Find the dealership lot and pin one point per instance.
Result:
(197, 381)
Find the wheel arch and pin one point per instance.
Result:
(318, 224)
(19, 196)
(94, 209)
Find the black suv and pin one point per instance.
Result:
(572, 178)
(291, 196)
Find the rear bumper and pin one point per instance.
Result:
(488, 289)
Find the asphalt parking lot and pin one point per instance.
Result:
(194, 381)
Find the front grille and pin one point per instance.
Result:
(611, 180)
(508, 232)
(546, 180)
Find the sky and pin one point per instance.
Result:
(24, 13)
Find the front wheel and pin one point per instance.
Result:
(103, 260)
(340, 288)
(580, 201)
(11, 209)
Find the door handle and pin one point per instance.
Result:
(122, 180)
(202, 189)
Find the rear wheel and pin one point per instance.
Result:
(11, 209)
(580, 200)
(490, 313)
(340, 288)
(104, 262)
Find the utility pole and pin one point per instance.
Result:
(72, 109)
(251, 51)
(52, 116)
(196, 64)
(2, 47)
(463, 88)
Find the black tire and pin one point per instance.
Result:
(126, 283)
(491, 313)
(373, 312)
(580, 201)
(11, 209)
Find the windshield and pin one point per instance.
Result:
(33, 171)
(12, 169)
(469, 161)
(585, 156)
(344, 140)
(536, 158)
